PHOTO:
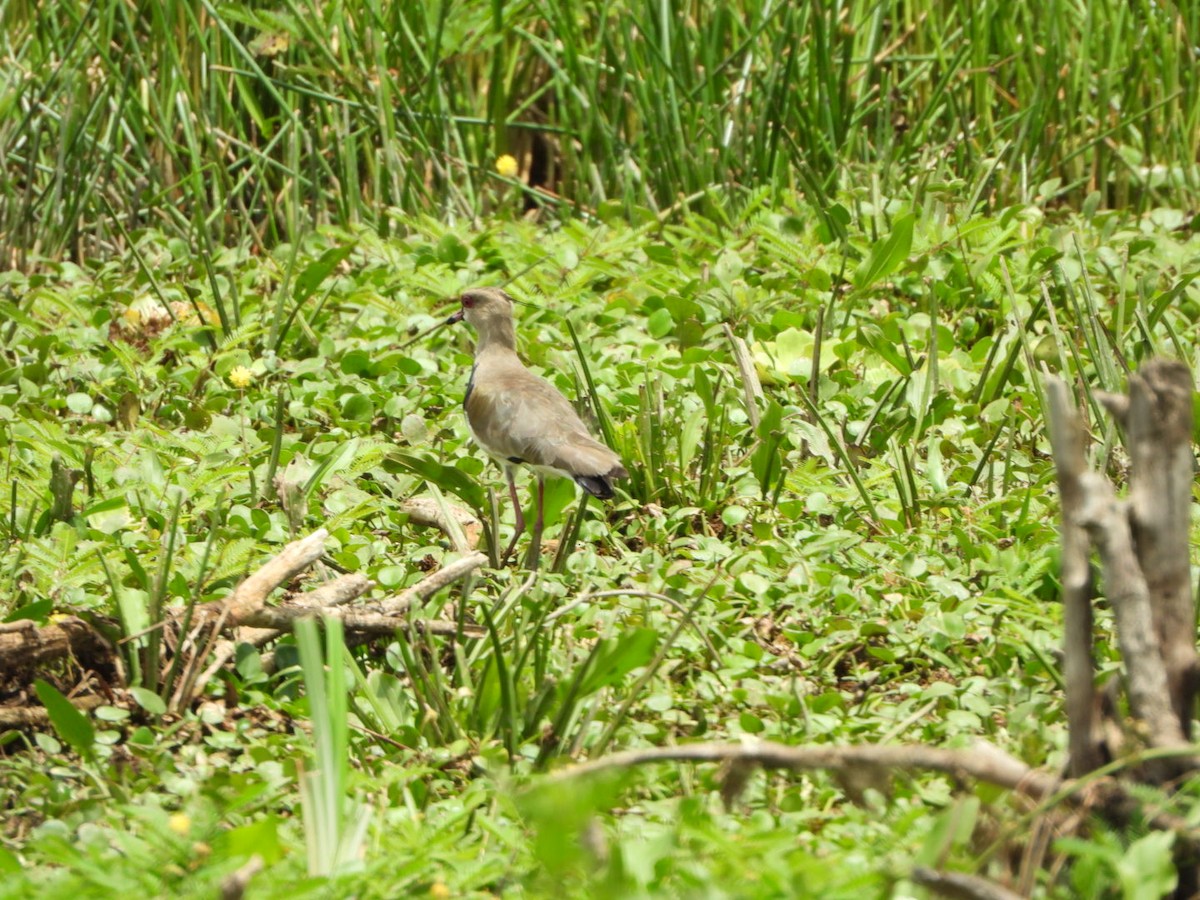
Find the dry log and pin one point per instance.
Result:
(37, 717)
(25, 646)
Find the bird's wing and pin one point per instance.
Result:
(516, 415)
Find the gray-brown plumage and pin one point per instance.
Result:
(521, 419)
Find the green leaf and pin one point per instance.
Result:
(358, 408)
(451, 250)
(767, 461)
(79, 403)
(660, 323)
(734, 515)
(260, 837)
(873, 337)
(661, 254)
(887, 254)
(35, 611)
(391, 576)
(148, 700)
(446, 477)
(728, 267)
(316, 272)
(356, 362)
(109, 516)
(751, 724)
(9, 864)
(71, 725)
(619, 656)
(1147, 870)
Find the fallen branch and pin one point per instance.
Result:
(253, 592)
(431, 584)
(336, 592)
(385, 619)
(427, 511)
(960, 886)
(983, 762)
(37, 717)
(285, 619)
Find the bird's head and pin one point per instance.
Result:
(481, 306)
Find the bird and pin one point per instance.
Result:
(520, 419)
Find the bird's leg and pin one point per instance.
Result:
(535, 545)
(519, 526)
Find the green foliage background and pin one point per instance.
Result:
(223, 227)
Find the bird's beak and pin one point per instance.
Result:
(457, 317)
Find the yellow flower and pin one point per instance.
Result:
(241, 377)
(438, 890)
(507, 166)
(180, 823)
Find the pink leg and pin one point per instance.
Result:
(519, 527)
(535, 547)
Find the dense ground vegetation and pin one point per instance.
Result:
(227, 226)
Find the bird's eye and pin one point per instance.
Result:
(468, 302)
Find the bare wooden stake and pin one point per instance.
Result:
(1159, 433)
(1066, 440)
(1143, 547)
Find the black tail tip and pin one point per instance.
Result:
(596, 485)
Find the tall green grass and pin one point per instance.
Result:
(226, 122)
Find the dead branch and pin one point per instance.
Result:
(1143, 548)
(386, 619)
(1066, 440)
(983, 762)
(960, 886)
(13, 717)
(866, 765)
(336, 592)
(234, 885)
(339, 591)
(431, 584)
(388, 615)
(1105, 518)
(285, 619)
(427, 511)
(1158, 431)
(291, 561)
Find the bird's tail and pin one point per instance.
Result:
(601, 485)
(596, 485)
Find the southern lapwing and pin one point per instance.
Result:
(521, 419)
